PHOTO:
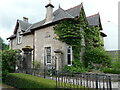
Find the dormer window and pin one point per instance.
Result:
(19, 38)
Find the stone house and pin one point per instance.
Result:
(40, 36)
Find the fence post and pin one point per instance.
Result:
(56, 78)
(96, 81)
(44, 72)
(110, 83)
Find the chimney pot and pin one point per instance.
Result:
(25, 19)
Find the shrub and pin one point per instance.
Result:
(77, 67)
(116, 64)
(20, 80)
(37, 64)
(9, 58)
(97, 57)
(110, 70)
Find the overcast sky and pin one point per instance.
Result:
(11, 10)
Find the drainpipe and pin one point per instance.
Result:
(33, 49)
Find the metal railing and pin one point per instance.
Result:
(73, 80)
(86, 80)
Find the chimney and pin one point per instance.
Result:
(25, 19)
(49, 12)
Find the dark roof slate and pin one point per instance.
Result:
(38, 24)
(75, 11)
(24, 25)
(59, 14)
(12, 36)
(93, 20)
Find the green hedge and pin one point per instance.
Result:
(25, 81)
(20, 80)
(110, 70)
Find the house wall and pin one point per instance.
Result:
(114, 54)
(27, 40)
(101, 37)
(45, 38)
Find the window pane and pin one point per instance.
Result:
(48, 59)
(69, 59)
(68, 50)
(48, 54)
(48, 50)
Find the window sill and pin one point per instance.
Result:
(19, 43)
(69, 65)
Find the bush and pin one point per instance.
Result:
(116, 64)
(115, 67)
(77, 67)
(110, 70)
(97, 57)
(20, 80)
(37, 64)
(9, 58)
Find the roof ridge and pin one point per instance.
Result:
(74, 7)
(93, 15)
(24, 21)
(66, 12)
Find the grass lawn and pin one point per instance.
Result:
(20, 80)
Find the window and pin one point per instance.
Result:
(47, 35)
(19, 38)
(48, 54)
(69, 55)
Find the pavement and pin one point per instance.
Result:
(5, 87)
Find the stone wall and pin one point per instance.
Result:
(27, 40)
(45, 38)
(114, 54)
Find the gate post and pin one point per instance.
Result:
(58, 54)
(27, 57)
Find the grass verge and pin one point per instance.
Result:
(20, 80)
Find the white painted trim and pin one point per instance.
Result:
(18, 36)
(45, 54)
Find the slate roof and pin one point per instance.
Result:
(94, 19)
(75, 11)
(24, 25)
(58, 15)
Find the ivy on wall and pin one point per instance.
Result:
(73, 32)
(70, 32)
(92, 37)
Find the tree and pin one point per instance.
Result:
(9, 58)
(3, 46)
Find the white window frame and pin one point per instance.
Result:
(19, 38)
(69, 53)
(46, 59)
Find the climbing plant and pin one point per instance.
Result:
(70, 32)
(73, 31)
(92, 37)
